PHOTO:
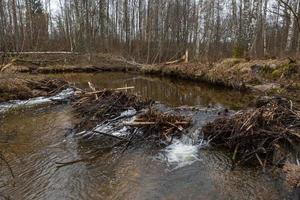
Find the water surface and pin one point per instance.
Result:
(34, 139)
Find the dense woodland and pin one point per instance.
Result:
(153, 31)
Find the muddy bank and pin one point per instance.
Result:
(66, 63)
(19, 88)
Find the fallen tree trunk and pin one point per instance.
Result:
(39, 52)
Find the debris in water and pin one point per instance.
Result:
(104, 120)
(262, 135)
(159, 126)
(97, 106)
(112, 105)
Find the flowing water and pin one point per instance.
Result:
(34, 139)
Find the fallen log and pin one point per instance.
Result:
(39, 52)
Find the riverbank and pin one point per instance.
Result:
(260, 75)
(66, 63)
(271, 77)
(13, 87)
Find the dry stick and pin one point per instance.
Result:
(129, 141)
(174, 125)
(93, 89)
(235, 152)
(249, 156)
(58, 89)
(101, 91)
(82, 93)
(260, 161)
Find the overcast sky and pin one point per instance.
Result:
(54, 5)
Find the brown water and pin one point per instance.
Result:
(33, 140)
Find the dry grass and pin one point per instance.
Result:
(234, 73)
(17, 88)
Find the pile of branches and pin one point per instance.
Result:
(105, 107)
(157, 126)
(261, 135)
(98, 106)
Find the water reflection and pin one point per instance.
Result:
(169, 91)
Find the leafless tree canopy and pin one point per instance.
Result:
(153, 30)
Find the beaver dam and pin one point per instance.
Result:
(122, 136)
(259, 135)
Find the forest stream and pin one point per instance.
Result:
(35, 138)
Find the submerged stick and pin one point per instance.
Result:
(64, 164)
(151, 123)
(110, 135)
(117, 89)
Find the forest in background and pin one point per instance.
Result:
(153, 31)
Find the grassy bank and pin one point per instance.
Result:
(277, 76)
(235, 73)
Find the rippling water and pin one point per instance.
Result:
(34, 139)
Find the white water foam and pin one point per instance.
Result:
(180, 153)
(115, 128)
(36, 101)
